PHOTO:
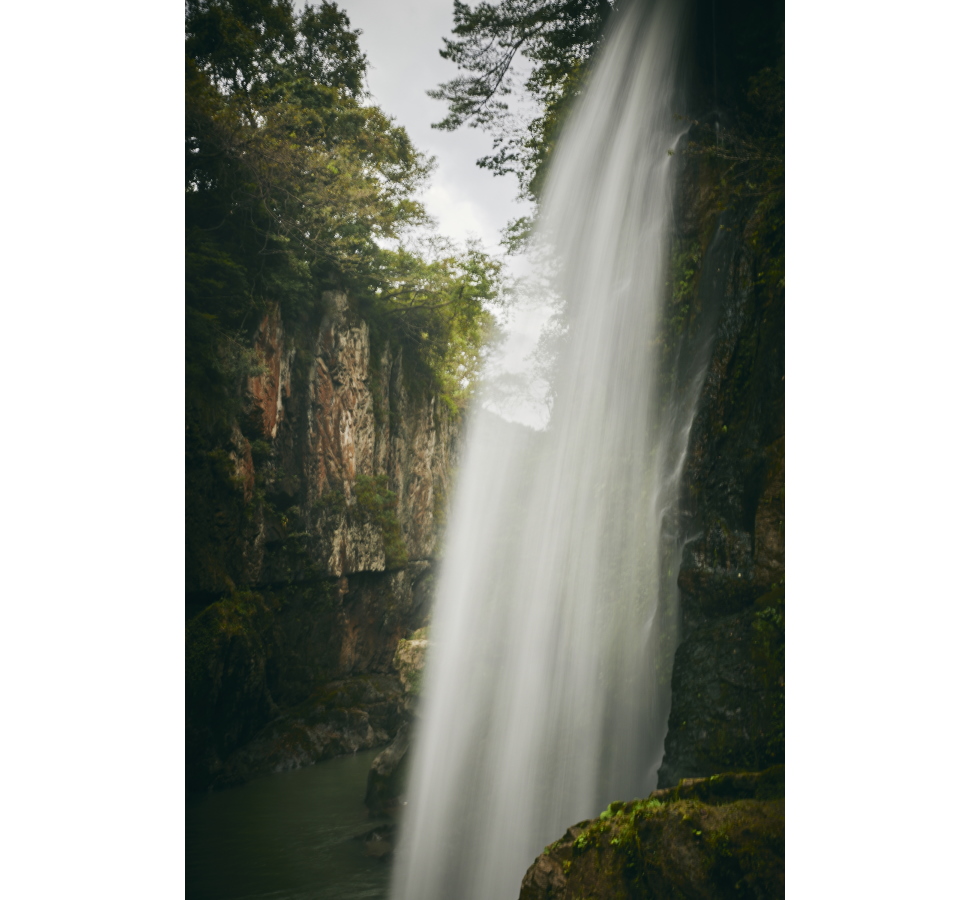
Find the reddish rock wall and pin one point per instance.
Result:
(339, 467)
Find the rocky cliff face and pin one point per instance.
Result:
(386, 779)
(312, 532)
(715, 828)
(728, 679)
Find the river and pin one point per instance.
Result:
(285, 837)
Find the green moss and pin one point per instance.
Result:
(261, 451)
(332, 503)
(243, 615)
(372, 503)
(379, 503)
(685, 268)
(768, 655)
(215, 515)
(439, 512)
(717, 837)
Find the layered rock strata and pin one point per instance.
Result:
(312, 539)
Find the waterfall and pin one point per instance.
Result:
(547, 685)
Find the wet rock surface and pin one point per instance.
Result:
(728, 678)
(728, 708)
(409, 662)
(386, 779)
(312, 537)
(379, 841)
(708, 839)
(258, 655)
(338, 718)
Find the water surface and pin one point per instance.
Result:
(285, 837)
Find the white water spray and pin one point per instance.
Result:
(547, 686)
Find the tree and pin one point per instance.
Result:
(736, 47)
(294, 185)
(555, 40)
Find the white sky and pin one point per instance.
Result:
(401, 39)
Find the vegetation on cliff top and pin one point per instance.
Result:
(541, 50)
(294, 186)
(555, 39)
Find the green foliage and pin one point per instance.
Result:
(379, 505)
(433, 304)
(215, 516)
(768, 655)
(685, 269)
(243, 615)
(555, 39)
(747, 157)
(290, 181)
(684, 273)
(371, 503)
(694, 840)
(295, 186)
(261, 451)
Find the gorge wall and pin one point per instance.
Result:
(727, 709)
(312, 529)
(715, 826)
(728, 681)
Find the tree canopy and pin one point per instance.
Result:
(554, 39)
(295, 185)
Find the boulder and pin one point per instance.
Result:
(385, 781)
(708, 838)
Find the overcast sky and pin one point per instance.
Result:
(401, 39)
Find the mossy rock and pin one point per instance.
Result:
(385, 780)
(228, 647)
(337, 718)
(710, 838)
(409, 660)
(728, 704)
(371, 504)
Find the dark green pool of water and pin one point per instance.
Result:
(285, 837)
